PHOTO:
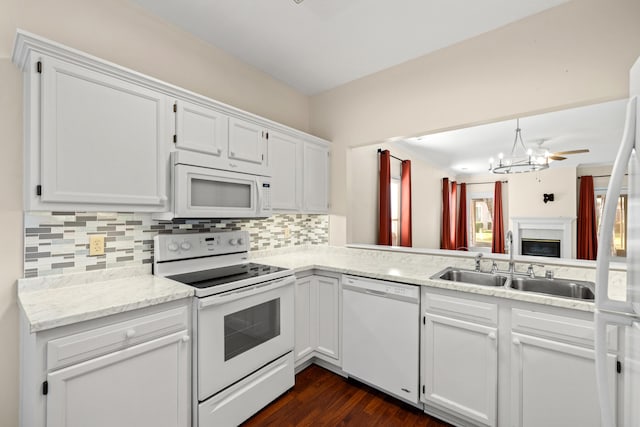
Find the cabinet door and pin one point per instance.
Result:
(316, 178)
(247, 145)
(144, 385)
(103, 140)
(285, 160)
(554, 384)
(327, 295)
(460, 367)
(201, 129)
(304, 313)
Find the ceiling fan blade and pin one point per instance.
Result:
(554, 157)
(564, 153)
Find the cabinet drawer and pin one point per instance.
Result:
(576, 331)
(76, 348)
(461, 308)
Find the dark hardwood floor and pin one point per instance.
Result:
(322, 398)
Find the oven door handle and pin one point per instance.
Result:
(245, 292)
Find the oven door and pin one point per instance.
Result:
(212, 193)
(241, 331)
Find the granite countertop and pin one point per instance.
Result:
(52, 301)
(417, 268)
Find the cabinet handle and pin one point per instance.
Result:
(219, 151)
(130, 333)
(233, 154)
(516, 341)
(492, 336)
(233, 165)
(185, 338)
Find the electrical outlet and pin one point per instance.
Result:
(96, 245)
(287, 232)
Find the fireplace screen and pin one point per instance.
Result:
(541, 247)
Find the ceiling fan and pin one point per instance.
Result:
(559, 155)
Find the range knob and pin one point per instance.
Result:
(173, 246)
(233, 242)
(185, 246)
(241, 241)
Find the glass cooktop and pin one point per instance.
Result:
(223, 275)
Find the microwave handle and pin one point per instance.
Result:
(259, 194)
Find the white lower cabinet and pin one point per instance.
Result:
(142, 385)
(553, 370)
(317, 319)
(128, 370)
(460, 358)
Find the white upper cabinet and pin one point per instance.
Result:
(316, 178)
(101, 139)
(98, 137)
(201, 129)
(285, 159)
(248, 147)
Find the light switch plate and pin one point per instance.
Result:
(96, 245)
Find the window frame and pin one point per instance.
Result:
(470, 226)
(624, 191)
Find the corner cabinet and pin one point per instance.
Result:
(300, 174)
(130, 369)
(94, 140)
(317, 319)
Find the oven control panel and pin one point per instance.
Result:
(171, 247)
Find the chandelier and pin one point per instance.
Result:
(528, 161)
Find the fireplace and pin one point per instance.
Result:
(540, 247)
(543, 236)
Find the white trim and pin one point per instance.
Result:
(563, 224)
(470, 227)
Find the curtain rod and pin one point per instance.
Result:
(601, 176)
(488, 182)
(397, 158)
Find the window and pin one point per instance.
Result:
(480, 219)
(395, 211)
(619, 243)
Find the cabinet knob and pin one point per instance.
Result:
(492, 336)
(186, 338)
(130, 333)
(516, 341)
(232, 153)
(219, 151)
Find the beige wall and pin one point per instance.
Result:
(578, 53)
(526, 192)
(362, 227)
(120, 32)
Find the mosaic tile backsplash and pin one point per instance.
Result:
(58, 242)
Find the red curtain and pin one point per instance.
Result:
(461, 229)
(384, 199)
(587, 230)
(453, 214)
(445, 235)
(405, 200)
(497, 243)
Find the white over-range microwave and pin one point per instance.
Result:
(202, 191)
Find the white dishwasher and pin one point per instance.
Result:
(381, 322)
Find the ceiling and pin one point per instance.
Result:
(320, 44)
(467, 151)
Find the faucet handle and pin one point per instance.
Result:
(494, 267)
(530, 271)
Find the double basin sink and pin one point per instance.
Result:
(565, 288)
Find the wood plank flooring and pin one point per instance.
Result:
(322, 398)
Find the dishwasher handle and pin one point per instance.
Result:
(380, 294)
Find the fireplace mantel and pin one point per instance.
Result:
(558, 227)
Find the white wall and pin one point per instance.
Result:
(123, 33)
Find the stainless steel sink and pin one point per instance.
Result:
(558, 287)
(470, 276)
